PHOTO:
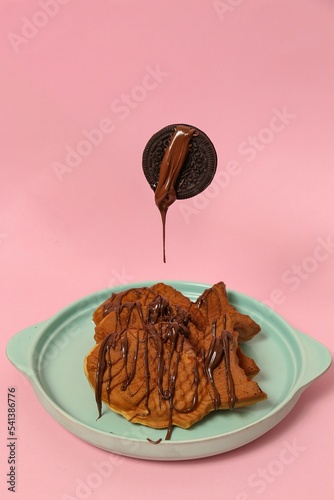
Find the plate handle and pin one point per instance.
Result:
(318, 359)
(20, 349)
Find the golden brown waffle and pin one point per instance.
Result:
(213, 303)
(162, 360)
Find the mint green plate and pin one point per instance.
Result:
(51, 356)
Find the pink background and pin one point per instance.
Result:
(231, 68)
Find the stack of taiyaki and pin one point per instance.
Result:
(162, 360)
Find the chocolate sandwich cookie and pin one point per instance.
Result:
(199, 166)
(179, 162)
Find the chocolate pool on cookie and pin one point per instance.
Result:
(199, 166)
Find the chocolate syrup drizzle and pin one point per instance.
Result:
(171, 164)
(219, 349)
(115, 301)
(203, 300)
(164, 329)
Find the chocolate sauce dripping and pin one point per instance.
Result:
(130, 306)
(212, 360)
(115, 301)
(147, 375)
(102, 365)
(109, 365)
(219, 349)
(169, 393)
(125, 348)
(159, 308)
(171, 164)
(227, 337)
(203, 299)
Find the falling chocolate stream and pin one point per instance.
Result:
(171, 164)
